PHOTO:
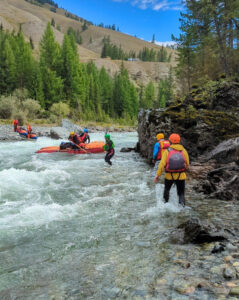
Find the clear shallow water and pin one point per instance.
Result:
(71, 227)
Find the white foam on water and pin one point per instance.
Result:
(162, 207)
(38, 214)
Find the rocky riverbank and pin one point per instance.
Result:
(56, 132)
(208, 122)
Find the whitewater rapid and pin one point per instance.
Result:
(72, 227)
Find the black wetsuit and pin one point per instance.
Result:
(109, 147)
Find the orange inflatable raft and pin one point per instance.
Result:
(93, 147)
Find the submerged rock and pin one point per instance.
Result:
(198, 232)
(127, 149)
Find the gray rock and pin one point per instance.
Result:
(231, 247)
(226, 152)
(234, 291)
(59, 133)
(229, 273)
(67, 124)
(198, 232)
(127, 149)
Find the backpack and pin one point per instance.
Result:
(176, 161)
(163, 145)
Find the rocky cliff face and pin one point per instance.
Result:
(208, 122)
(204, 119)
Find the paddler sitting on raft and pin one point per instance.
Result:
(84, 136)
(75, 140)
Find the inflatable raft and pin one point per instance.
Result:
(93, 147)
(23, 133)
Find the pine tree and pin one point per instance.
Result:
(153, 39)
(7, 68)
(149, 95)
(50, 50)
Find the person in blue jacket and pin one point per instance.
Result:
(158, 151)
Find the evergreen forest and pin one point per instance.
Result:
(208, 46)
(57, 80)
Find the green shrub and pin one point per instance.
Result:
(21, 117)
(21, 94)
(7, 107)
(60, 110)
(32, 108)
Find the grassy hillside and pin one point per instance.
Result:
(33, 20)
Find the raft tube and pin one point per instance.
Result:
(23, 133)
(93, 147)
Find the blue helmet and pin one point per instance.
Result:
(86, 130)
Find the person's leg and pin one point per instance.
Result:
(181, 191)
(107, 159)
(167, 186)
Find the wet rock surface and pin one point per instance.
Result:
(199, 232)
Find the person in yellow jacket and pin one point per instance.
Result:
(175, 161)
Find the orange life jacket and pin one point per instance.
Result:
(165, 144)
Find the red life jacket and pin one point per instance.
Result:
(176, 161)
(163, 145)
(83, 137)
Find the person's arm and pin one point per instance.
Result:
(88, 138)
(156, 150)
(106, 147)
(161, 166)
(186, 156)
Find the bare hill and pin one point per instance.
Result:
(33, 20)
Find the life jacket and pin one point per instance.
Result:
(83, 138)
(176, 161)
(163, 145)
(29, 129)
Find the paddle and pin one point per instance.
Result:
(79, 147)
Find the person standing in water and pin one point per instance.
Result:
(15, 124)
(175, 161)
(159, 148)
(109, 147)
(29, 130)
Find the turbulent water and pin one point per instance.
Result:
(72, 227)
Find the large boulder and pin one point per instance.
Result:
(226, 152)
(59, 133)
(67, 124)
(204, 119)
(198, 232)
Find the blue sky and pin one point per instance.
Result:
(142, 18)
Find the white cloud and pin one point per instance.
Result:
(168, 43)
(155, 4)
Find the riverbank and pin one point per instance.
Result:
(59, 132)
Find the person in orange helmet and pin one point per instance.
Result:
(175, 161)
(29, 130)
(159, 148)
(15, 124)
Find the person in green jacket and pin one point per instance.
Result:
(109, 147)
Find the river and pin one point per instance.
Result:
(72, 227)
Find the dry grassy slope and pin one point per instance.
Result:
(34, 19)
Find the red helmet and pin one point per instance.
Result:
(174, 138)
